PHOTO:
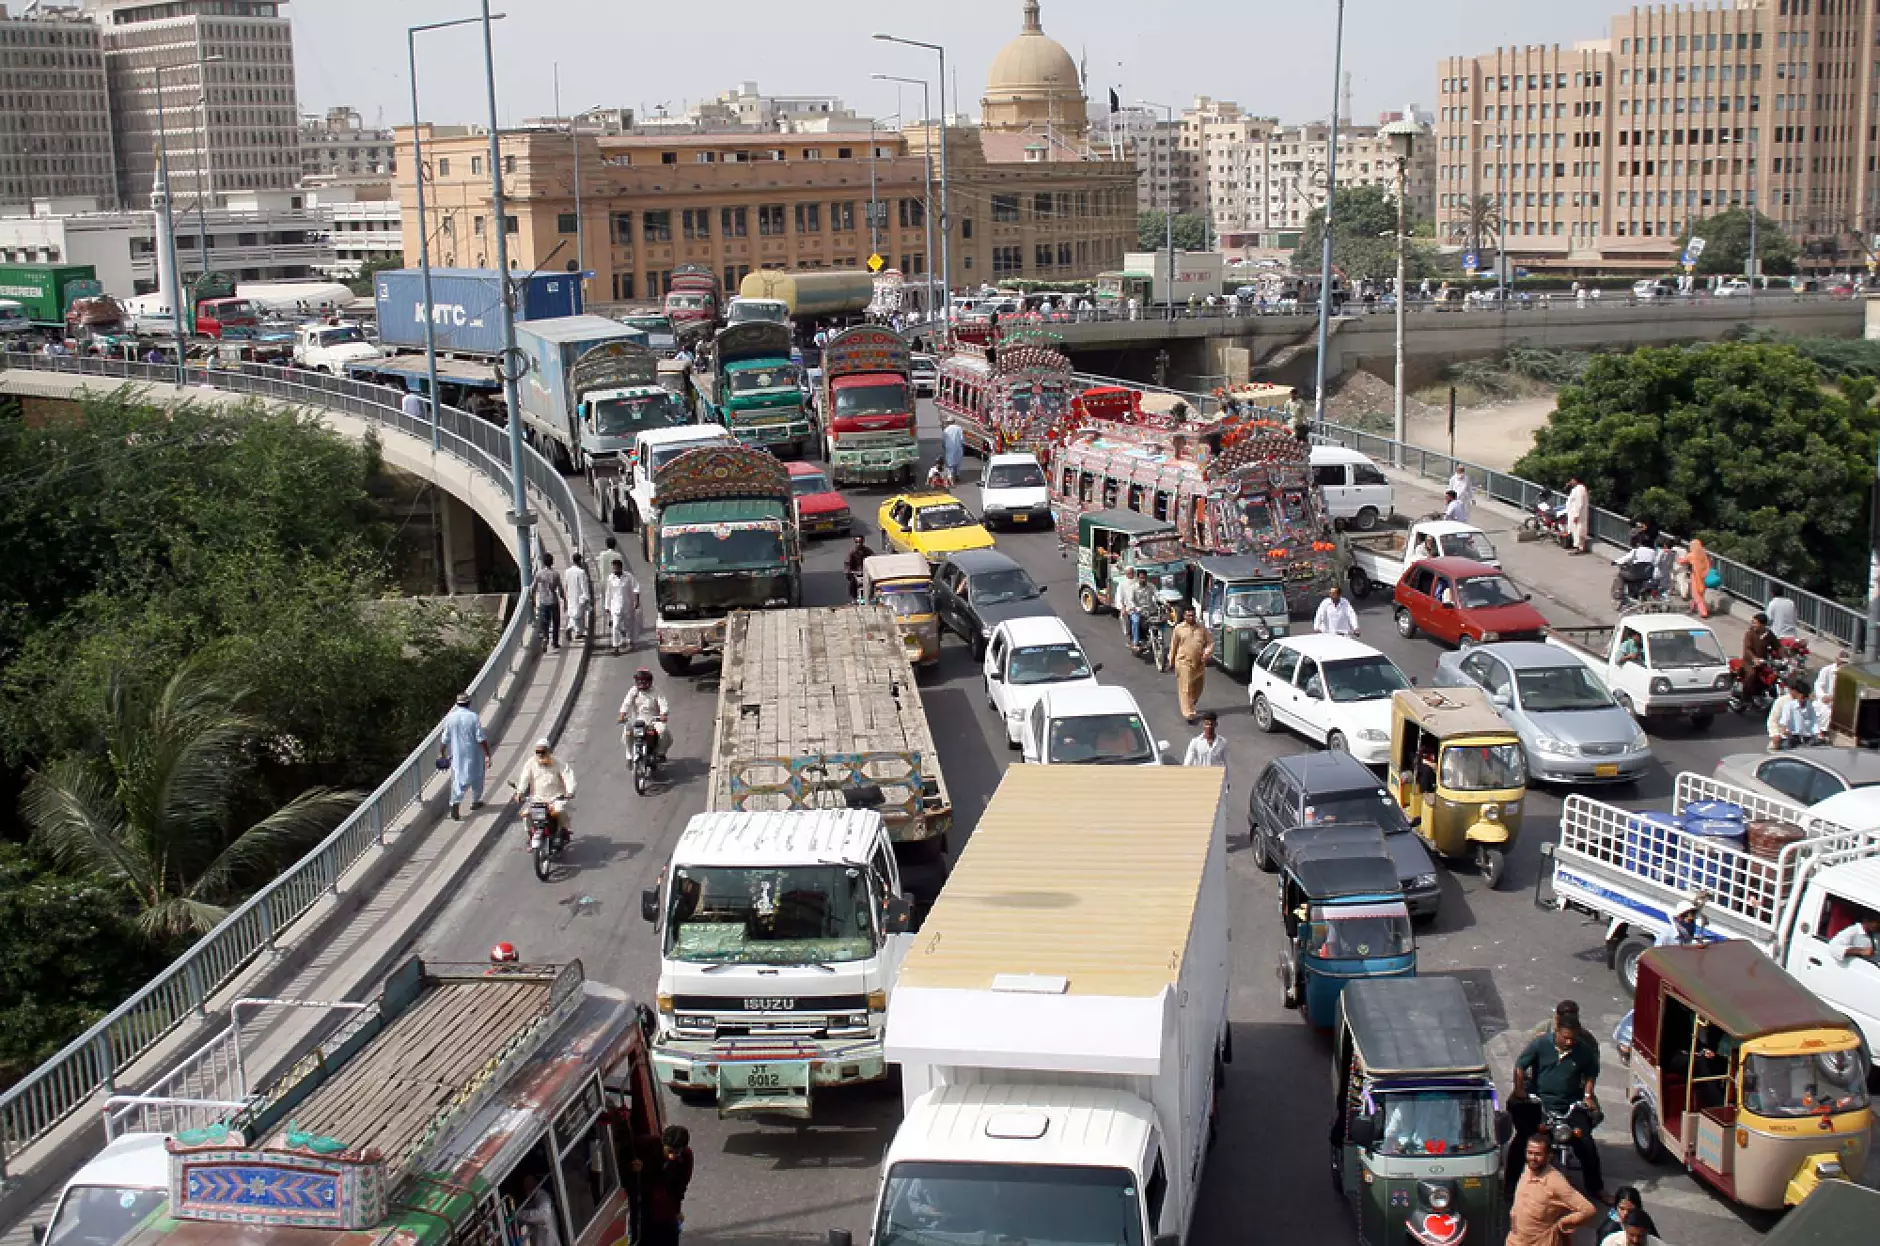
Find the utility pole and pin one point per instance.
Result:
(1331, 194)
(518, 487)
(167, 223)
(1403, 134)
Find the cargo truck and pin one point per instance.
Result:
(617, 397)
(780, 937)
(722, 536)
(44, 291)
(867, 407)
(692, 302)
(1633, 871)
(752, 388)
(1061, 1022)
(807, 296)
(467, 306)
(545, 394)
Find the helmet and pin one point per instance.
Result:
(504, 954)
(643, 678)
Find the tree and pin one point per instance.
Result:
(1739, 443)
(1480, 223)
(1364, 238)
(1191, 232)
(364, 285)
(1726, 245)
(152, 815)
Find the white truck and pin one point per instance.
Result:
(1061, 1023)
(1633, 872)
(1658, 665)
(627, 500)
(330, 347)
(1378, 559)
(780, 937)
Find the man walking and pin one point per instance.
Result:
(1547, 1209)
(414, 407)
(467, 749)
(579, 593)
(1454, 508)
(622, 604)
(952, 448)
(549, 602)
(1463, 487)
(1579, 515)
(1335, 617)
(1207, 749)
(1189, 649)
(665, 1176)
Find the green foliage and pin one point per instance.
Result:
(363, 285)
(1479, 223)
(1364, 238)
(1838, 357)
(1740, 443)
(1191, 232)
(1726, 244)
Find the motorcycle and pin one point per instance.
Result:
(1788, 660)
(642, 753)
(1635, 585)
(1564, 1128)
(549, 832)
(1158, 626)
(1547, 521)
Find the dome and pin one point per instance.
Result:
(1034, 81)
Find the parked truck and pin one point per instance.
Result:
(46, 290)
(1634, 871)
(723, 539)
(1658, 665)
(752, 388)
(551, 349)
(866, 406)
(466, 306)
(780, 938)
(1061, 1023)
(1378, 559)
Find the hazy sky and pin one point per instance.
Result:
(1271, 57)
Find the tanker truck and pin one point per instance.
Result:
(825, 295)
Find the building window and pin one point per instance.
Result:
(509, 164)
(443, 166)
(669, 157)
(731, 280)
(770, 220)
(1064, 255)
(809, 218)
(622, 225)
(565, 223)
(656, 226)
(623, 287)
(1044, 255)
(913, 214)
(1005, 207)
(476, 165)
(842, 217)
(476, 227)
(509, 225)
(1007, 260)
(698, 223)
(1041, 205)
(734, 222)
(966, 227)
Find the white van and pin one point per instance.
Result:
(1356, 491)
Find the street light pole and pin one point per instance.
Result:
(1168, 203)
(1403, 137)
(202, 163)
(927, 147)
(946, 220)
(168, 225)
(1331, 196)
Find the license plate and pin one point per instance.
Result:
(1607, 770)
(759, 1077)
(1021, 518)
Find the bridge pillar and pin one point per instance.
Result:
(466, 548)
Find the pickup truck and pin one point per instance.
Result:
(330, 347)
(1378, 559)
(1634, 871)
(1658, 665)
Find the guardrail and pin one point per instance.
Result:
(91, 1062)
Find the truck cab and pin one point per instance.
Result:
(232, 317)
(118, 1191)
(781, 935)
(867, 406)
(13, 321)
(652, 450)
(743, 311)
(1657, 665)
(755, 390)
(330, 347)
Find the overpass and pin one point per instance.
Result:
(330, 925)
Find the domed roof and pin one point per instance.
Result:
(1033, 63)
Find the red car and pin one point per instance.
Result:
(820, 510)
(1463, 603)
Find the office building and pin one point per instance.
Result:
(55, 113)
(340, 149)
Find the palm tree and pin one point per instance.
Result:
(1480, 219)
(150, 815)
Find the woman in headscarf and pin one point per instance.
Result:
(1697, 558)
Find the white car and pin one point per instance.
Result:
(1024, 659)
(1731, 288)
(1090, 726)
(1013, 493)
(1331, 689)
(926, 374)
(117, 1190)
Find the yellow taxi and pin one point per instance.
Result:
(931, 524)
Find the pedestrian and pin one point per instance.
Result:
(1547, 1209)
(467, 749)
(1626, 1203)
(546, 584)
(1135, 308)
(1825, 679)
(1463, 487)
(579, 594)
(1126, 608)
(1189, 650)
(1697, 558)
(622, 604)
(1635, 1230)
(665, 1175)
(1207, 749)
(1454, 508)
(412, 405)
(1781, 612)
(952, 447)
(1335, 617)
(1579, 515)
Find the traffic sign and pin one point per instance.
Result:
(876, 263)
(1469, 261)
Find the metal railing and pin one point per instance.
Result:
(91, 1062)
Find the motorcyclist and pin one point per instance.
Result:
(859, 553)
(1637, 567)
(1758, 643)
(549, 780)
(643, 705)
(1561, 1068)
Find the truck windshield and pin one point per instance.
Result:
(652, 325)
(102, 1215)
(1362, 679)
(763, 380)
(1694, 648)
(687, 302)
(716, 547)
(1485, 592)
(1483, 767)
(1796, 1086)
(341, 336)
(1013, 476)
(1550, 689)
(888, 399)
(770, 915)
(936, 1204)
(1436, 1122)
(1261, 602)
(1048, 664)
(1100, 740)
(659, 456)
(775, 313)
(624, 416)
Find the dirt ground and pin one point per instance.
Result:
(1494, 436)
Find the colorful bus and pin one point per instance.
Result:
(1007, 389)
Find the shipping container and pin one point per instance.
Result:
(46, 290)
(551, 348)
(468, 305)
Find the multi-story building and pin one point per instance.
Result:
(340, 149)
(1603, 153)
(1153, 143)
(55, 125)
(747, 108)
(362, 230)
(221, 75)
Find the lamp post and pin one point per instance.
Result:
(1168, 203)
(874, 182)
(574, 155)
(946, 221)
(202, 162)
(167, 223)
(1331, 197)
(1403, 137)
(1501, 209)
(926, 124)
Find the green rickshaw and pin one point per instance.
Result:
(1111, 543)
(1243, 603)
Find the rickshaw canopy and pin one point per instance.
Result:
(1336, 862)
(879, 567)
(1118, 520)
(1838, 1213)
(1737, 987)
(1413, 1027)
(1236, 568)
(1451, 713)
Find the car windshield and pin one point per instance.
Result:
(1471, 545)
(1805, 1085)
(1488, 591)
(904, 602)
(622, 417)
(885, 399)
(1697, 647)
(103, 1215)
(341, 335)
(1260, 601)
(804, 484)
(1363, 679)
(715, 547)
(940, 518)
(1047, 664)
(1482, 767)
(940, 1204)
(1436, 1122)
(1362, 807)
(1552, 689)
(742, 312)
(773, 915)
(1360, 932)
(995, 588)
(687, 302)
(783, 376)
(1100, 739)
(1013, 476)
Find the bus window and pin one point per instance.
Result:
(1161, 504)
(1135, 498)
(1109, 492)
(589, 1175)
(1068, 485)
(1085, 481)
(529, 1192)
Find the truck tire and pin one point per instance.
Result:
(674, 664)
(1625, 953)
(1357, 583)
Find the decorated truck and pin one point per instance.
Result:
(753, 388)
(867, 406)
(1007, 389)
(692, 302)
(725, 540)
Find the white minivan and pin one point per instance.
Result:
(1356, 491)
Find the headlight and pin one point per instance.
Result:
(1661, 687)
(1423, 882)
(1437, 1195)
(1492, 812)
(1640, 742)
(1372, 736)
(1554, 748)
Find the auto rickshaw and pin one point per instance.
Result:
(1345, 918)
(1854, 718)
(1111, 543)
(1416, 1149)
(1459, 772)
(1243, 603)
(903, 583)
(1743, 1076)
(1838, 1213)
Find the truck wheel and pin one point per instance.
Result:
(1087, 598)
(1645, 1138)
(694, 1098)
(1405, 627)
(674, 664)
(1625, 954)
(1358, 584)
(1366, 519)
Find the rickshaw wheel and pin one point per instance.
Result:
(1645, 1133)
(1087, 598)
(1491, 863)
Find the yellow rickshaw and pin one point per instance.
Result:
(1459, 772)
(904, 584)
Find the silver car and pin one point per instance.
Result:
(1805, 776)
(1569, 724)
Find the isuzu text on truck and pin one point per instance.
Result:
(867, 407)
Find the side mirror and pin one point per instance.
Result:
(1095, 667)
(1162, 745)
(841, 1237)
(898, 915)
(1527, 596)
(1499, 698)
(994, 676)
(1044, 588)
(649, 905)
(1362, 1132)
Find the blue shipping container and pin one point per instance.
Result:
(468, 303)
(551, 348)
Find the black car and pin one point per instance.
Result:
(976, 590)
(1296, 793)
